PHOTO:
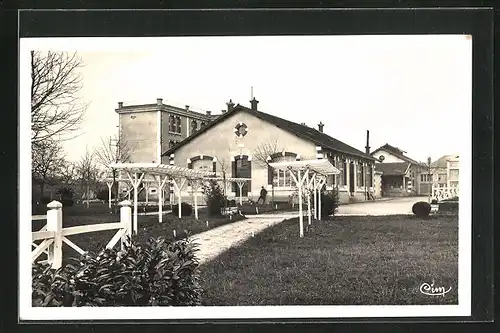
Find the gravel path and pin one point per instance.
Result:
(215, 241)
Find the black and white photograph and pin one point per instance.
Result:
(245, 177)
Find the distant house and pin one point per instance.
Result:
(400, 174)
(445, 172)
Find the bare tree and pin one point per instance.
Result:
(68, 174)
(56, 109)
(262, 155)
(113, 150)
(88, 173)
(47, 161)
(224, 167)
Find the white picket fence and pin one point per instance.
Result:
(52, 235)
(442, 193)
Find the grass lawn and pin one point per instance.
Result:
(346, 261)
(147, 224)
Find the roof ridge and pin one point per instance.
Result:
(317, 132)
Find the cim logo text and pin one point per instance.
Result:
(431, 290)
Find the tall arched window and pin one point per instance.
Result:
(203, 165)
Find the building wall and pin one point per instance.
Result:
(139, 130)
(222, 143)
(388, 157)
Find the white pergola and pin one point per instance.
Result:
(161, 174)
(309, 176)
(109, 181)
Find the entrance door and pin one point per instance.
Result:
(351, 177)
(242, 169)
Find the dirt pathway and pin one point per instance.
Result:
(215, 241)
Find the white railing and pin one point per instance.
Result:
(442, 193)
(53, 234)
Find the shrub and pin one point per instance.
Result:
(214, 198)
(421, 209)
(448, 206)
(186, 209)
(67, 202)
(45, 200)
(155, 274)
(231, 203)
(329, 202)
(65, 195)
(434, 201)
(103, 194)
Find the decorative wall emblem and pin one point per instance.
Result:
(241, 130)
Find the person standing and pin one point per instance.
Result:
(263, 194)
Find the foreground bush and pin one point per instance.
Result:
(421, 209)
(154, 274)
(214, 198)
(186, 209)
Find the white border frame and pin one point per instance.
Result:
(27, 312)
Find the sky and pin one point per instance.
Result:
(413, 92)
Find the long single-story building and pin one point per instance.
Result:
(241, 142)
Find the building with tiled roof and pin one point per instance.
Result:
(238, 142)
(401, 175)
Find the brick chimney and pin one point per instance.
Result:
(208, 113)
(187, 107)
(320, 126)
(230, 105)
(254, 103)
(159, 101)
(223, 111)
(367, 147)
(120, 105)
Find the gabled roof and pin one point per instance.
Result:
(302, 131)
(441, 162)
(396, 152)
(393, 169)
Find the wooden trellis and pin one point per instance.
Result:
(162, 173)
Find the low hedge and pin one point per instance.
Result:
(186, 209)
(155, 274)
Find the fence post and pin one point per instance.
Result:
(54, 223)
(126, 219)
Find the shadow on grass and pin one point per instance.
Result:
(345, 261)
